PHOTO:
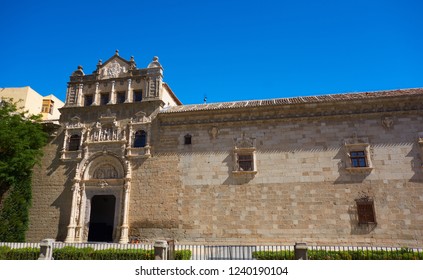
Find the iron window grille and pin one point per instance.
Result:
(366, 211)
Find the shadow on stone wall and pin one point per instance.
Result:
(64, 201)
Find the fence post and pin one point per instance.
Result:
(171, 249)
(160, 250)
(300, 251)
(46, 249)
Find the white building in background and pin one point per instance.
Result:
(29, 100)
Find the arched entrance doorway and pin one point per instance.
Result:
(102, 218)
(100, 200)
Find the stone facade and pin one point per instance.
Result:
(272, 171)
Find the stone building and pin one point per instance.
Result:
(131, 162)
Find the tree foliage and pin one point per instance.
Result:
(21, 140)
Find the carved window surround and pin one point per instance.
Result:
(140, 122)
(74, 127)
(244, 154)
(356, 145)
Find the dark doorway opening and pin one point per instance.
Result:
(102, 218)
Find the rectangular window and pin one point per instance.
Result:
(88, 100)
(366, 212)
(137, 95)
(120, 97)
(48, 106)
(187, 139)
(104, 98)
(245, 163)
(358, 159)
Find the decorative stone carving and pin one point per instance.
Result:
(103, 184)
(113, 70)
(387, 122)
(213, 132)
(105, 171)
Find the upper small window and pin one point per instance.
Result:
(358, 155)
(140, 139)
(120, 97)
(48, 106)
(74, 142)
(88, 100)
(358, 159)
(104, 98)
(188, 139)
(245, 162)
(137, 95)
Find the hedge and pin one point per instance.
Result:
(402, 254)
(73, 253)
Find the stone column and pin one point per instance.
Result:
(113, 94)
(128, 97)
(74, 211)
(65, 140)
(97, 94)
(124, 227)
(80, 214)
(79, 95)
(130, 138)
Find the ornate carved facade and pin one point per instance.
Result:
(283, 170)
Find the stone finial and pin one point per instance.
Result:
(154, 63)
(117, 52)
(80, 67)
(132, 58)
(100, 62)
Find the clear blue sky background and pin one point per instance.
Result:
(226, 50)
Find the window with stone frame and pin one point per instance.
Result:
(74, 142)
(245, 155)
(104, 98)
(120, 97)
(137, 95)
(358, 155)
(140, 139)
(365, 211)
(88, 100)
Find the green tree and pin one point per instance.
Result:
(21, 140)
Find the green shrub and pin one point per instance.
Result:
(3, 252)
(273, 255)
(183, 255)
(72, 253)
(23, 254)
(119, 254)
(403, 254)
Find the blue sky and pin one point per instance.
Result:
(225, 50)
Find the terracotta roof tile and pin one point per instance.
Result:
(294, 100)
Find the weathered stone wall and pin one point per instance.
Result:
(51, 195)
(301, 191)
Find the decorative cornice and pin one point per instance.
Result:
(277, 115)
